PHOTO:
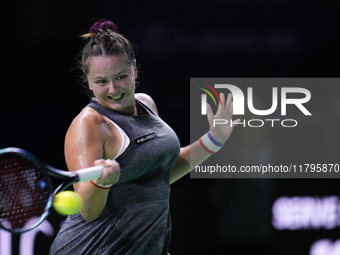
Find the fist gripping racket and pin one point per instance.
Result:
(27, 188)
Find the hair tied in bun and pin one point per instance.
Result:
(100, 25)
(103, 25)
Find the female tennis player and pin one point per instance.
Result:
(126, 210)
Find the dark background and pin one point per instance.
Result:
(41, 94)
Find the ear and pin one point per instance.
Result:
(88, 82)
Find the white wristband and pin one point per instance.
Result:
(209, 144)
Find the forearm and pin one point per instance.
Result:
(190, 156)
(94, 200)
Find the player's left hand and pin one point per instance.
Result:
(221, 132)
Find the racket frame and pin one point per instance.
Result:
(64, 179)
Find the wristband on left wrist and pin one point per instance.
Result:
(209, 144)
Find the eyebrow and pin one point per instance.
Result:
(99, 77)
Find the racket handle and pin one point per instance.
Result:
(90, 173)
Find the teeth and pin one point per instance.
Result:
(117, 97)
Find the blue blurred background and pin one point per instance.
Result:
(177, 40)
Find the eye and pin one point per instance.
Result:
(121, 77)
(100, 82)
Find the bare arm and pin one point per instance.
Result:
(85, 146)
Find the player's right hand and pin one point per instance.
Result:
(111, 172)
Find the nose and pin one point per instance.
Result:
(112, 87)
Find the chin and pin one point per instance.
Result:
(122, 108)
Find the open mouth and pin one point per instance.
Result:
(117, 98)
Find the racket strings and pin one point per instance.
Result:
(23, 196)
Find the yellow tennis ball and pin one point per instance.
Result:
(67, 202)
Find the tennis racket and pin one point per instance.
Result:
(27, 188)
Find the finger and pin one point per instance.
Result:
(107, 167)
(116, 165)
(209, 111)
(210, 115)
(228, 103)
(222, 96)
(231, 110)
(108, 163)
(99, 162)
(109, 176)
(237, 122)
(113, 167)
(221, 107)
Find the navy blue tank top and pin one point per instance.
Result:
(136, 217)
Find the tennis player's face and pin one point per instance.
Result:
(112, 81)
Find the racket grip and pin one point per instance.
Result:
(90, 173)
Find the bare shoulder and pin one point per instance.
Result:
(87, 120)
(87, 128)
(88, 138)
(147, 100)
